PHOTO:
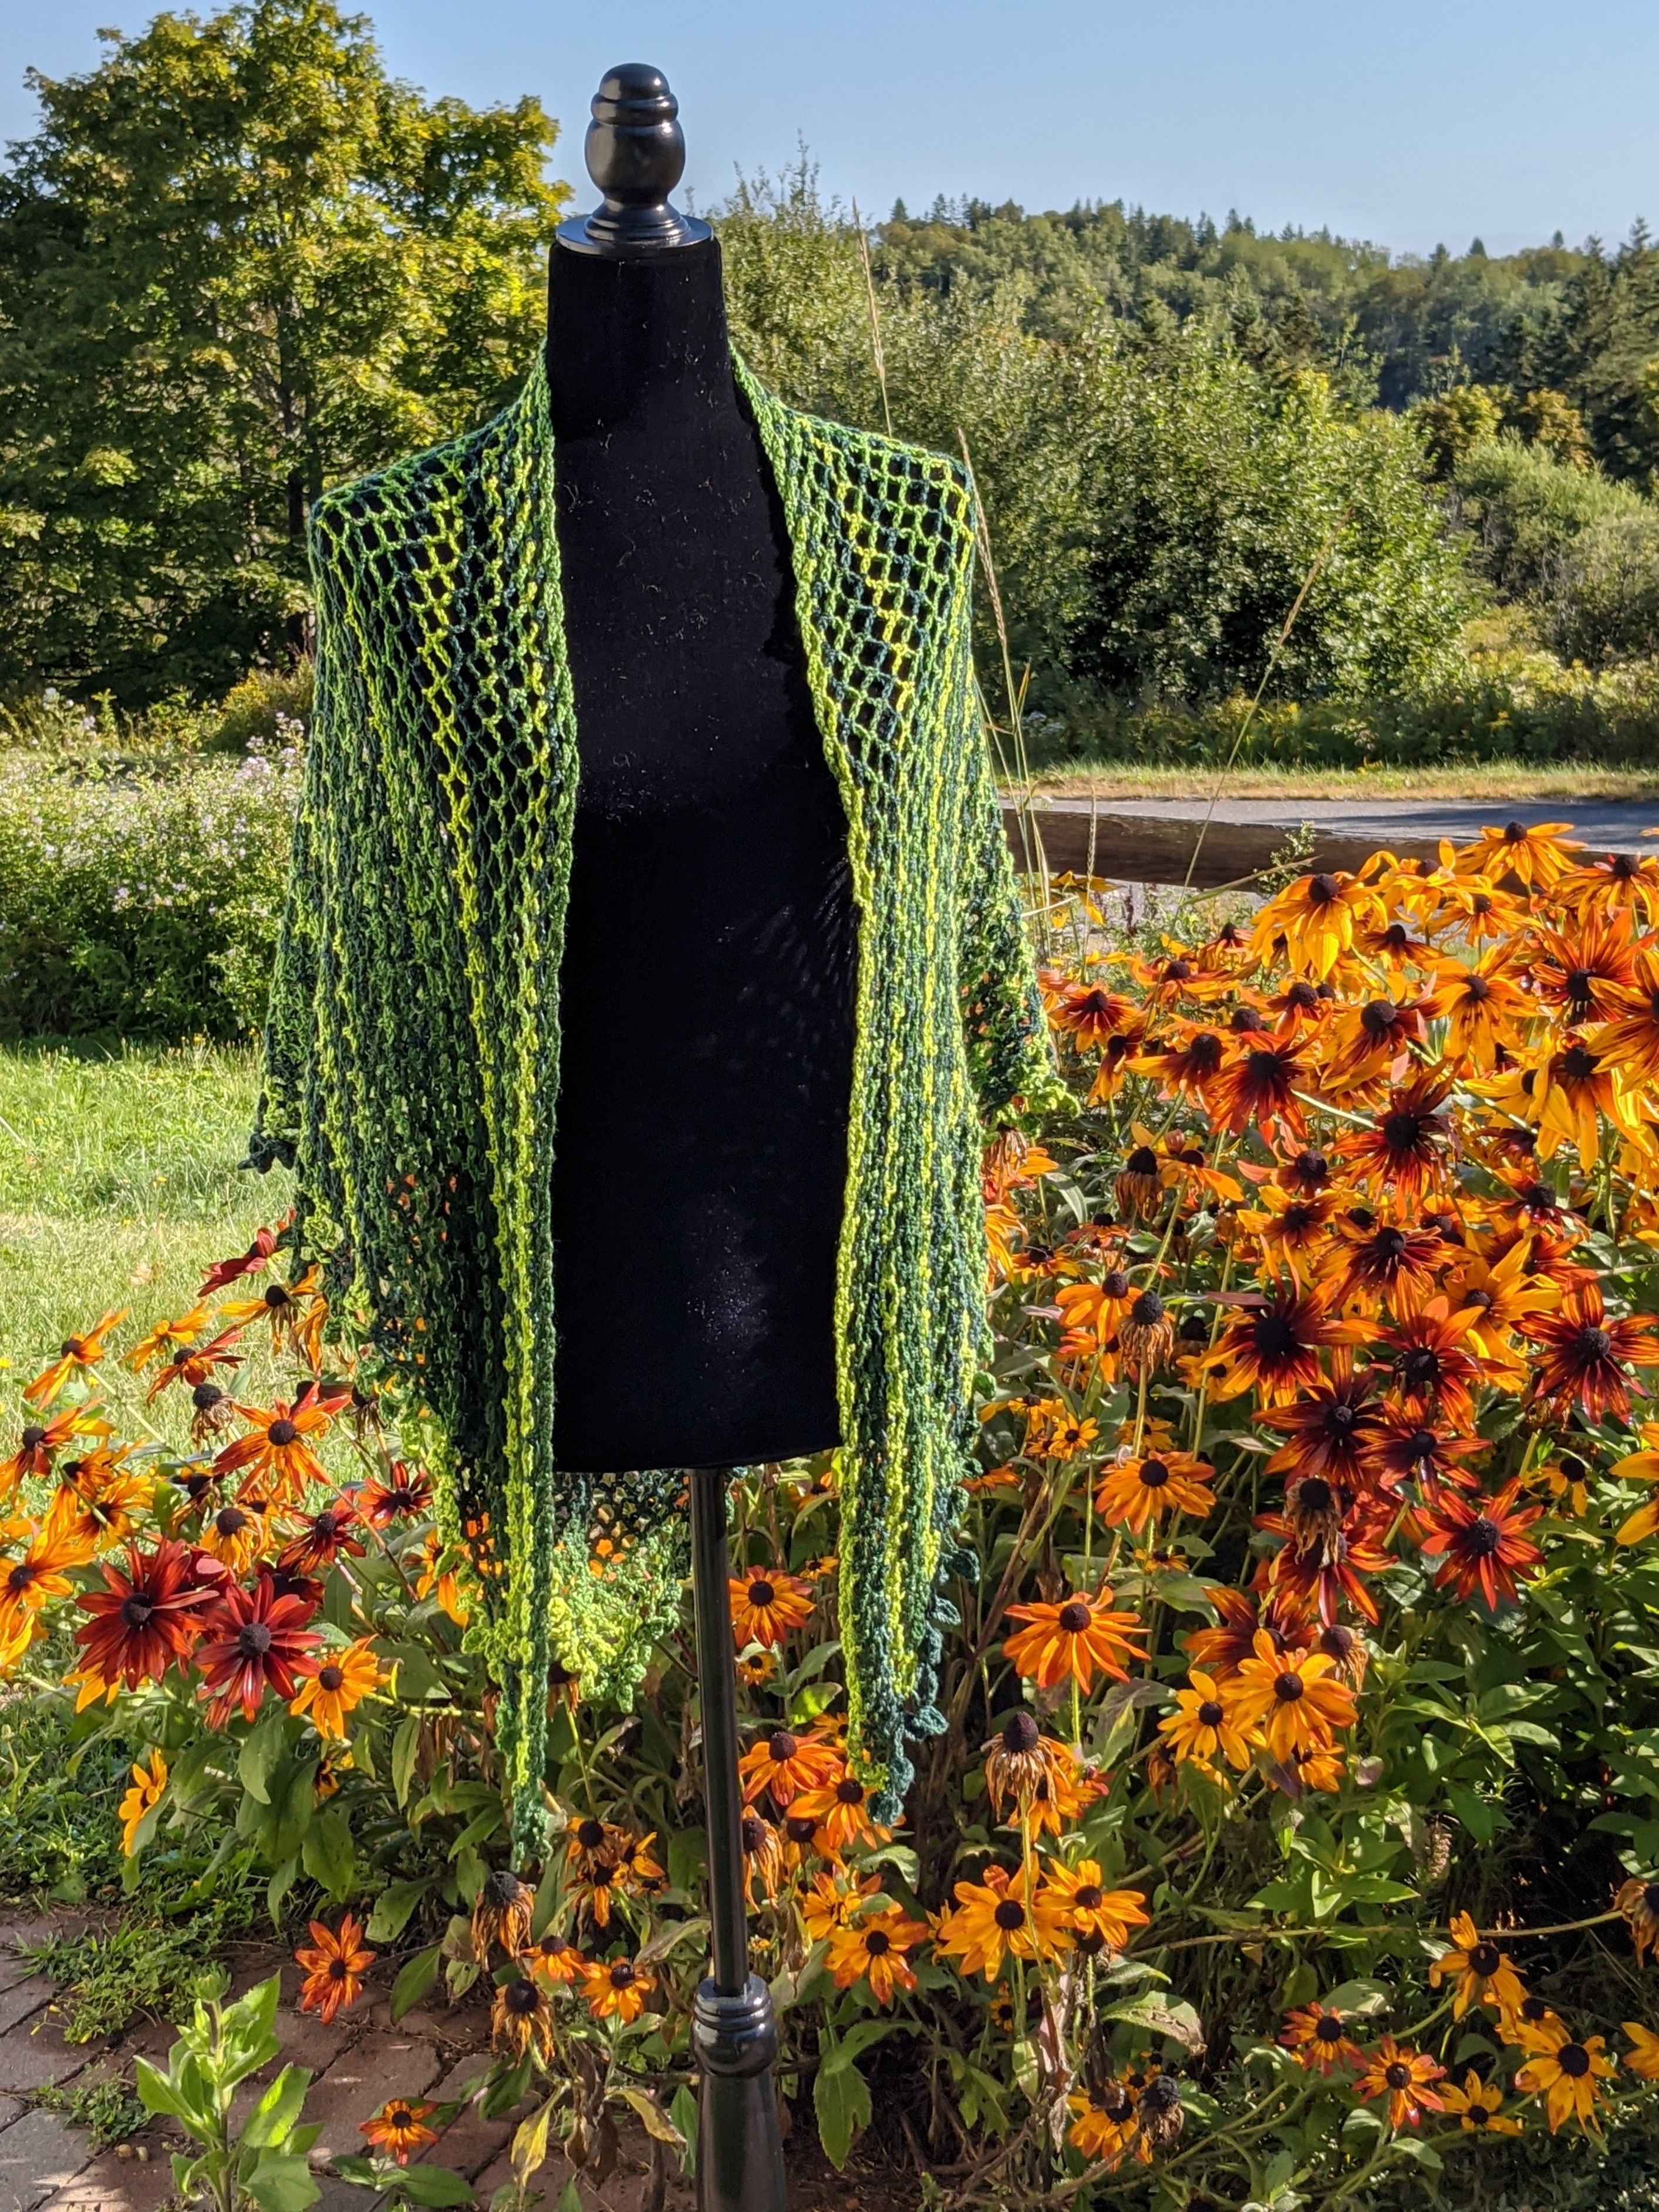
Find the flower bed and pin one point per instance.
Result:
(1293, 1839)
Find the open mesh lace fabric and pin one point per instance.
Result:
(411, 1073)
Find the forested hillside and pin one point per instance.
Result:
(238, 262)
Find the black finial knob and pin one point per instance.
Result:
(635, 153)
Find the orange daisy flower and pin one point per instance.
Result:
(1136, 1492)
(276, 1457)
(1319, 2039)
(1079, 1638)
(1402, 2076)
(616, 1989)
(1296, 1697)
(767, 1603)
(76, 1355)
(336, 1962)
(872, 1949)
(400, 2127)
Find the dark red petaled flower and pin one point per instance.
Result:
(1586, 1352)
(1329, 1432)
(1257, 1089)
(1405, 1450)
(1429, 1373)
(1482, 1543)
(147, 1620)
(320, 1538)
(406, 1490)
(1223, 1649)
(1404, 1149)
(1275, 1345)
(1382, 1263)
(1330, 1563)
(254, 1638)
(257, 1255)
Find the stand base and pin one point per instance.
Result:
(740, 2142)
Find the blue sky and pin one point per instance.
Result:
(1408, 124)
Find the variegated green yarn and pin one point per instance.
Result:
(412, 1050)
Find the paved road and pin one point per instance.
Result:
(1168, 840)
(1602, 825)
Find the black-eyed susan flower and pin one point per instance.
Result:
(1400, 2076)
(1136, 1491)
(520, 2021)
(1638, 1900)
(1202, 1728)
(76, 1355)
(1295, 1697)
(1087, 1908)
(1482, 1544)
(1478, 2107)
(1643, 2056)
(1319, 2036)
(501, 1914)
(1079, 1638)
(400, 2127)
(785, 1763)
(767, 1604)
(1564, 2069)
(1006, 1916)
(403, 1494)
(873, 1948)
(335, 1961)
(1484, 1973)
(334, 1683)
(617, 1988)
(145, 1792)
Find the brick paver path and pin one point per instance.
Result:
(47, 2165)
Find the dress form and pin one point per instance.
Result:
(705, 990)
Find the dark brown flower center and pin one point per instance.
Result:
(136, 1611)
(1115, 1286)
(877, 1941)
(503, 1889)
(781, 1747)
(1484, 1960)
(1397, 2075)
(253, 1640)
(1019, 1732)
(230, 1521)
(1328, 2028)
(281, 1432)
(761, 1593)
(590, 1834)
(33, 1437)
(520, 1997)
(1009, 1914)
(400, 2118)
(1147, 1310)
(1273, 1337)
(1593, 1345)
(849, 1790)
(1573, 2060)
(1482, 1537)
(329, 1677)
(1074, 1617)
(1154, 1474)
(1288, 1688)
(1378, 1017)
(205, 1396)
(1323, 890)
(1143, 1161)
(1211, 1714)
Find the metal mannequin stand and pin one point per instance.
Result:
(735, 2037)
(636, 154)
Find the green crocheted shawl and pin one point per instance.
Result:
(411, 1073)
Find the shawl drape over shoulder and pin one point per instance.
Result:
(411, 1074)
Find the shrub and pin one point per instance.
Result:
(140, 901)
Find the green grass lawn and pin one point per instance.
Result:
(1494, 780)
(118, 1184)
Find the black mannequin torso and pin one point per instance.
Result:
(706, 992)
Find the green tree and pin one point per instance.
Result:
(1216, 491)
(238, 262)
